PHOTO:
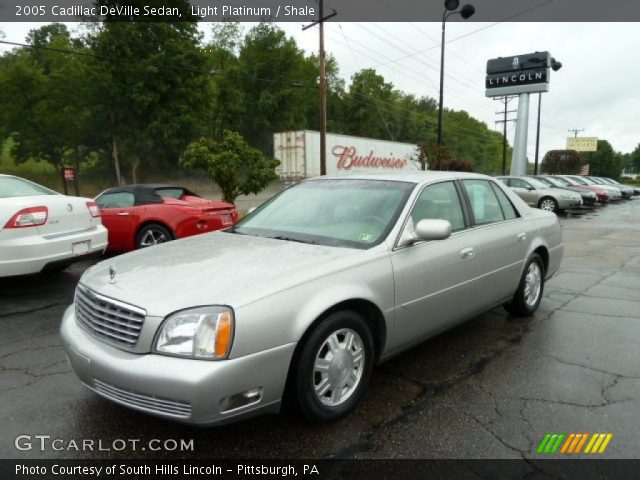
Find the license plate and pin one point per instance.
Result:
(226, 219)
(80, 248)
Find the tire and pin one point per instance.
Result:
(317, 354)
(549, 204)
(152, 234)
(523, 304)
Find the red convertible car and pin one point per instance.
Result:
(139, 216)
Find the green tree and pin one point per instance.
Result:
(604, 162)
(567, 162)
(235, 166)
(635, 159)
(275, 78)
(151, 93)
(44, 94)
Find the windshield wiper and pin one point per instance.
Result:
(289, 239)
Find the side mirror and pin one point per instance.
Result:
(426, 230)
(530, 188)
(433, 229)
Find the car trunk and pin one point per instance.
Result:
(66, 215)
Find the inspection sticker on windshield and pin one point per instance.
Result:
(366, 237)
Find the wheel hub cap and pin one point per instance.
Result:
(532, 284)
(338, 367)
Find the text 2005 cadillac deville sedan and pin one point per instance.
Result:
(305, 295)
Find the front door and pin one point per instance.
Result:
(433, 287)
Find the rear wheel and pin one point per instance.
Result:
(529, 294)
(334, 367)
(549, 204)
(152, 234)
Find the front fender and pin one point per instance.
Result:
(284, 317)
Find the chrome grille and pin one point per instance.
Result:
(146, 402)
(107, 318)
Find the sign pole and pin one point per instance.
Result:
(519, 160)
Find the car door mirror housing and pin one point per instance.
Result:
(432, 229)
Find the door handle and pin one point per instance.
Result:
(467, 253)
(521, 237)
(123, 214)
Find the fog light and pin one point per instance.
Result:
(248, 397)
(201, 225)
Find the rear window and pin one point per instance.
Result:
(17, 187)
(176, 193)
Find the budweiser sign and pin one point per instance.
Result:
(348, 158)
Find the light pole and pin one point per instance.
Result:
(465, 12)
(555, 66)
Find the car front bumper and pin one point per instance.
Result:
(185, 390)
(564, 204)
(24, 255)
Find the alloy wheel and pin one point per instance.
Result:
(338, 367)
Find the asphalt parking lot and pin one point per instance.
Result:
(490, 388)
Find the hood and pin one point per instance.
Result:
(212, 269)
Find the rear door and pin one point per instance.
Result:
(117, 216)
(501, 240)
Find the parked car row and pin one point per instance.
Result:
(42, 230)
(557, 193)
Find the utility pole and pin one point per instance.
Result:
(504, 121)
(323, 85)
(535, 165)
(576, 131)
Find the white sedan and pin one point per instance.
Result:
(41, 230)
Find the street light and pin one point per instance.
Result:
(465, 12)
(555, 66)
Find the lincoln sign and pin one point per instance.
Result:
(527, 73)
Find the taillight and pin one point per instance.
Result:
(28, 217)
(94, 209)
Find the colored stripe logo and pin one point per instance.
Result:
(574, 443)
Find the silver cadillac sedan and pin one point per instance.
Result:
(305, 295)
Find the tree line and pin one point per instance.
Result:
(130, 97)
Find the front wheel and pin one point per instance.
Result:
(529, 294)
(549, 204)
(334, 367)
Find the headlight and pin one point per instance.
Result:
(567, 197)
(202, 333)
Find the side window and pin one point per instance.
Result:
(116, 200)
(518, 183)
(484, 203)
(508, 209)
(506, 181)
(439, 201)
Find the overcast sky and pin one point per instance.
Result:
(598, 88)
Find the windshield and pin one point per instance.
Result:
(561, 181)
(579, 180)
(537, 183)
(554, 182)
(17, 187)
(588, 181)
(338, 212)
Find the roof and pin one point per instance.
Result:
(413, 176)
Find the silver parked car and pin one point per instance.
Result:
(305, 295)
(538, 194)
